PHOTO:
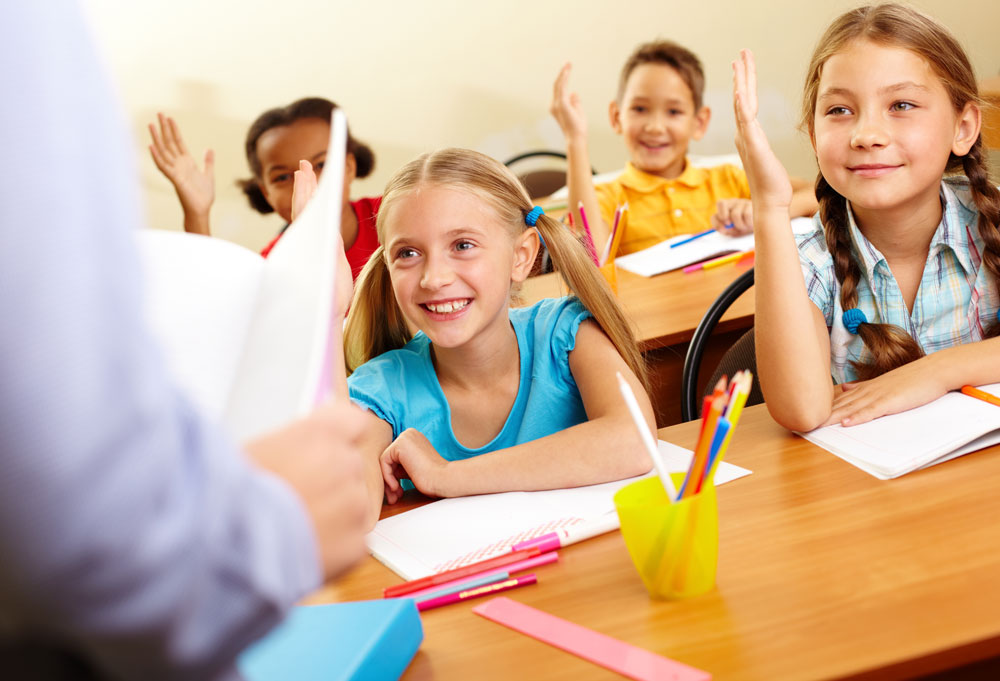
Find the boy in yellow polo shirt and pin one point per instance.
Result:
(658, 110)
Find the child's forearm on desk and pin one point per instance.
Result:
(601, 450)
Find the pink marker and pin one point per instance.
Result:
(519, 566)
(487, 590)
(588, 240)
(571, 535)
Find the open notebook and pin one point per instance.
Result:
(451, 533)
(248, 338)
(662, 258)
(894, 445)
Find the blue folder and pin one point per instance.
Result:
(363, 640)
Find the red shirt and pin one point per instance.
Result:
(364, 245)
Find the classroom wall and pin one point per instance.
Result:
(415, 76)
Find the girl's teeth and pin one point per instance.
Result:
(445, 308)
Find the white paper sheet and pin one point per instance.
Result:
(452, 532)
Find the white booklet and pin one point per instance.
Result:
(451, 533)
(663, 258)
(894, 445)
(248, 338)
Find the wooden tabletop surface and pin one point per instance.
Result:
(824, 573)
(666, 308)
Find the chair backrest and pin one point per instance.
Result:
(541, 172)
(690, 406)
(741, 355)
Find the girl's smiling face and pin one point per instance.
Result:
(885, 127)
(452, 262)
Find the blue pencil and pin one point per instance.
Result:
(692, 238)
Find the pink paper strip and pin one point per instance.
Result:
(624, 658)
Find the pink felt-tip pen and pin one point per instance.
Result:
(588, 236)
(552, 541)
(506, 571)
(477, 592)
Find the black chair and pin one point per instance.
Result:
(740, 356)
(541, 172)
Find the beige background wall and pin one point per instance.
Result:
(415, 76)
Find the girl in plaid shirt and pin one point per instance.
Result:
(901, 271)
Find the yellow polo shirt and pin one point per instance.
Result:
(659, 209)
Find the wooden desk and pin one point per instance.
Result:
(824, 573)
(665, 310)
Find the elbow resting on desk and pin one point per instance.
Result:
(801, 417)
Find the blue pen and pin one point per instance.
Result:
(468, 584)
(729, 225)
(692, 238)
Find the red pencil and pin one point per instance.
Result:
(457, 573)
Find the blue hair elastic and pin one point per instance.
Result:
(532, 217)
(853, 318)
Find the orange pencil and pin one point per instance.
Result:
(972, 391)
(696, 472)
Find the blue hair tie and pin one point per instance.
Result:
(853, 318)
(532, 217)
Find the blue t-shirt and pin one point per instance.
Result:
(401, 388)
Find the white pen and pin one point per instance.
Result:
(647, 438)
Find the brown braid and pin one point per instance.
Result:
(987, 199)
(889, 345)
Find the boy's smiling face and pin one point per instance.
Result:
(657, 119)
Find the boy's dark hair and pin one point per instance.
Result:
(680, 59)
(308, 107)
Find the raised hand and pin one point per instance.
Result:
(195, 186)
(769, 183)
(304, 187)
(566, 107)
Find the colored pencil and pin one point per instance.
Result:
(588, 236)
(614, 231)
(972, 391)
(691, 238)
(510, 569)
(464, 571)
(477, 592)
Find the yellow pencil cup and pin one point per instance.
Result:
(674, 546)
(610, 273)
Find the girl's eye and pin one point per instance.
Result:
(676, 112)
(404, 253)
(639, 109)
(902, 106)
(278, 179)
(838, 111)
(464, 246)
(318, 166)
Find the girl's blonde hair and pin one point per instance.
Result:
(376, 324)
(896, 25)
